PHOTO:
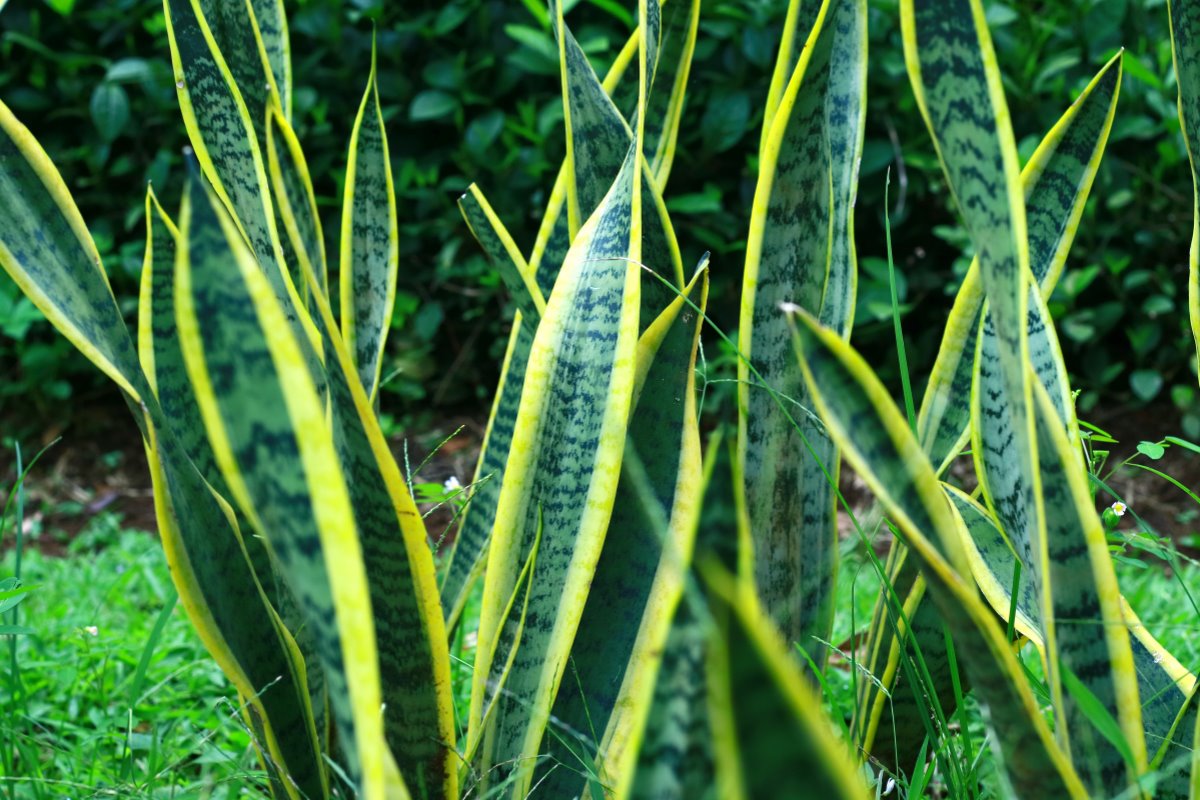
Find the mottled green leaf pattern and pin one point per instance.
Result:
(877, 441)
(502, 252)
(770, 737)
(233, 30)
(845, 112)
(789, 504)
(1091, 640)
(994, 565)
(221, 131)
(664, 103)
(568, 439)
(297, 204)
(957, 84)
(639, 576)
(797, 25)
(675, 761)
(1057, 181)
(45, 247)
(414, 668)
(281, 467)
(1169, 703)
(370, 241)
(470, 543)
(276, 44)
(597, 135)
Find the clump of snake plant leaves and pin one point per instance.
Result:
(623, 650)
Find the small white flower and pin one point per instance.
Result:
(451, 484)
(1118, 508)
(91, 630)
(891, 784)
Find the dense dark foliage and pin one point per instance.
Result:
(471, 91)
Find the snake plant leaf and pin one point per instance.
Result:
(554, 234)
(845, 112)
(470, 543)
(876, 440)
(1169, 703)
(474, 533)
(1001, 478)
(1185, 50)
(1091, 640)
(266, 423)
(771, 738)
(954, 76)
(223, 578)
(675, 760)
(952, 68)
(370, 250)
(789, 500)
(563, 468)
(996, 567)
(162, 361)
(664, 104)
(503, 253)
(46, 248)
(1164, 686)
(275, 44)
(597, 135)
(236, 37)
(222, 134)
(674, 746)
(294, 196)
(1057, 181)
(413, 660)
(639, 578)
(797, 25)
(409, 628)
(231, 613)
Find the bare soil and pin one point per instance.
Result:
(98, 465)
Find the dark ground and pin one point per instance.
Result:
(98, 465)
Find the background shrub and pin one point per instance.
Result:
(471, 92)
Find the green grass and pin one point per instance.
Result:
(136, 709)
(139, 710)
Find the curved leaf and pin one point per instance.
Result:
(877, 441)
(293, 192)
(1057, 181)
(46, 248)
(771, 738)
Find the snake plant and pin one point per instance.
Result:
(624, 649)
